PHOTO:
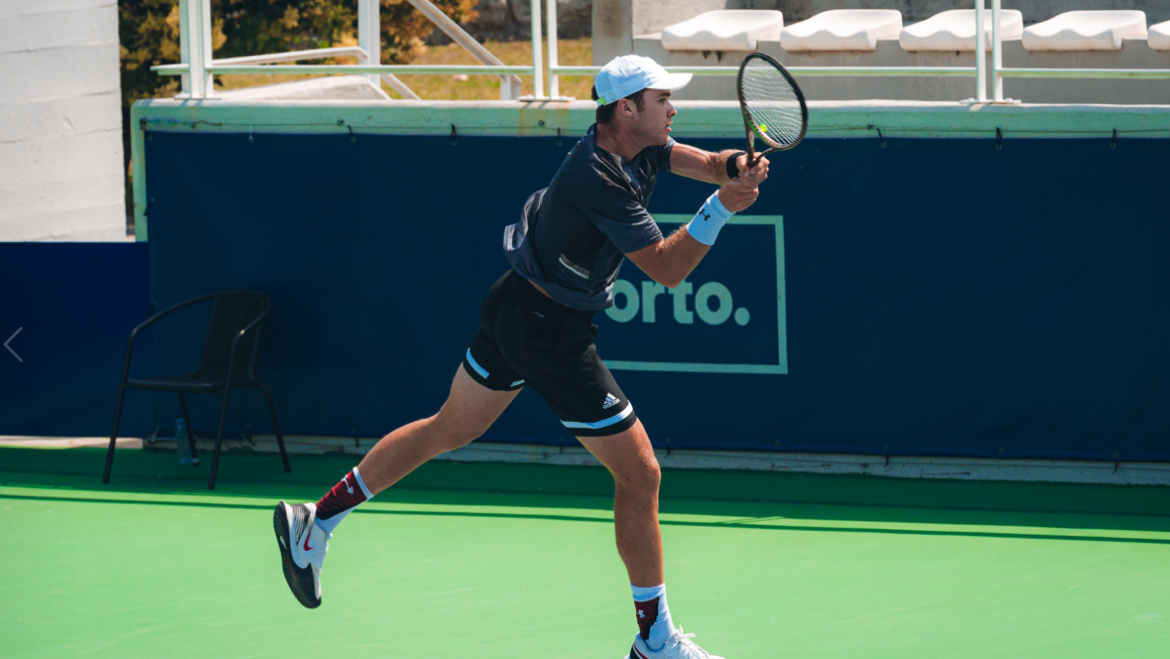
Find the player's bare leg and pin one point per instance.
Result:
(303, 531)
(470, 410)
(630, 458)
(636, 475)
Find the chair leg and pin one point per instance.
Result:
(218, 438)
(190, 429)
(114, 434)
(276, 427)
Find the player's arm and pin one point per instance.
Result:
(670, 260)
(703, 165)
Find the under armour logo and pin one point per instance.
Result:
(705, 215)
(641, 613)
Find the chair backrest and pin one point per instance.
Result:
(232, 311)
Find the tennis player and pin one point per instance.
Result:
(535, 331)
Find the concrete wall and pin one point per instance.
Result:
(617, 22)
(61, 174)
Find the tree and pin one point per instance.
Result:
(149, 33)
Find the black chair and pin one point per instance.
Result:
(228, 362)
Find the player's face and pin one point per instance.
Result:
(654, 119)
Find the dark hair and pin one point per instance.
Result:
(605, 112)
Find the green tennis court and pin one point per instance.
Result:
(498, 560)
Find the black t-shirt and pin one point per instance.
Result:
(572, 235)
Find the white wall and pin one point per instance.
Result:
(61, 174)
(617, 22)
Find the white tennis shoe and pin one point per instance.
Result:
(302, 549)
(678, 646)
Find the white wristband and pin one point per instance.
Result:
(709, 220)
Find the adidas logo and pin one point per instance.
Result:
(610, 401)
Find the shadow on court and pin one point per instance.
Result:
(756, 501)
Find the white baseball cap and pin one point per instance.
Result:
(629, 74)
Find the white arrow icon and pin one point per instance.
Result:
(10, 341)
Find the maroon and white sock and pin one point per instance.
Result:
(344, 497)
(654, 623)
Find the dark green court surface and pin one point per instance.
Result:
(504, 561)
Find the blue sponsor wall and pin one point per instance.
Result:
(731, 311)
(929, 297)
(71, 307)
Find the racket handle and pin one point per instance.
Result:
(751, 152)
(758, 157)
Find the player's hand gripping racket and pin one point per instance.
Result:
(772, 104)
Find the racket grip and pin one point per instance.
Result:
(751, 140)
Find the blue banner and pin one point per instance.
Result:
(66, 312)
(718, 330)
(925, 297)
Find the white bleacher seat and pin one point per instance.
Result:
(724, 30)
(1159, 36)
(843, 29)
(1086, 30)
(955, 30)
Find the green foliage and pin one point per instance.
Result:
(404, 28)
(149, 33)
(255, 27)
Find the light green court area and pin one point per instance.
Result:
(503, 561)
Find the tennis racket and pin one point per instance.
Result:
(772, 104)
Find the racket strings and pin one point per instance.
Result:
(772, 103)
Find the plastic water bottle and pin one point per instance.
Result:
(181, 443)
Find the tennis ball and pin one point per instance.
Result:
(763, 128)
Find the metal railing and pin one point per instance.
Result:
(198, 67)
(998, 71)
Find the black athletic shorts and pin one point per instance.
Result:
(526, 338)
